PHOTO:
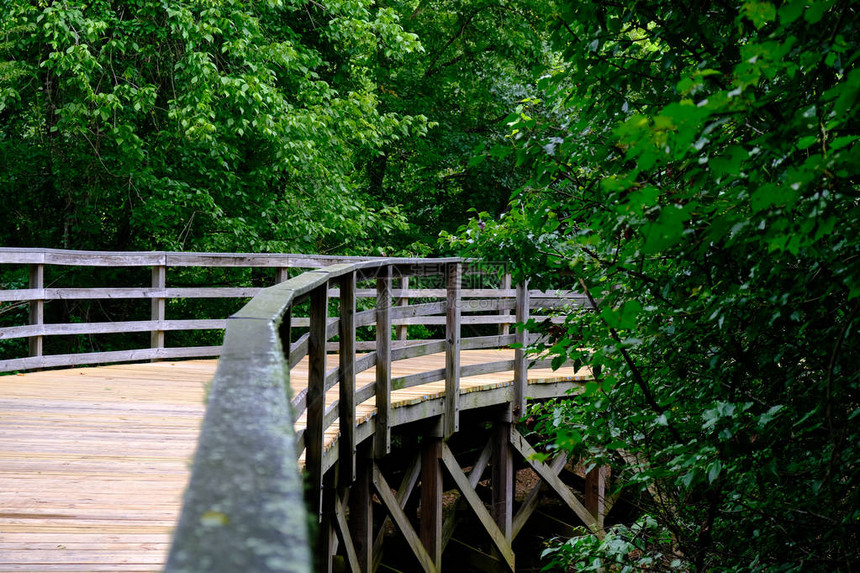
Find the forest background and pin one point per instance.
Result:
(692, 167)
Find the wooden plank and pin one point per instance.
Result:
(486, 368)
(496, 535)
(314, 434)
(529, 454)
(382, 434)
(110, 327)
(420, 349)
(64, 360)
(394, 510)
(481, 342)
(430, 525)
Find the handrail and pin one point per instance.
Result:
(243, 509)
(39, 296)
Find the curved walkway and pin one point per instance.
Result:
(93, 461)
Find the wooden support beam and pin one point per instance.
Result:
(346, 380)
(453, 278)
(595, 493)
(530, 503)
(503, 478)
(382, 436)
(361, 514)
(520, 364)
(477, 506)
(314, 434)
(407, 485)
(343, 535)
(475, 475)
(325, 541)
(37, 307)
(402, 522)
(525, 449)
(430, 526)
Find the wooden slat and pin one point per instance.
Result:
(37, 308)
(110, 327)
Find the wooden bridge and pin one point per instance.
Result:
(325, 438)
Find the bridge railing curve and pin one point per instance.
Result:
(247, 444)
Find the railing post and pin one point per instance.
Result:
(401, 329)
(522, 339)
(346, 380)
(453, 278)
(314, 437)
(159, 283)
(382, 436)
(37, 307)
(505, 328)
(282, 274)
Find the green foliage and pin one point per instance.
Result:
(194, 125)
(695, 166)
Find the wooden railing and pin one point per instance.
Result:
(156, 295)
(245, 482)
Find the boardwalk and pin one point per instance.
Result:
(93, 461)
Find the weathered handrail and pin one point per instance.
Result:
(243, 508)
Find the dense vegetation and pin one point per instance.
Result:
(692, 167)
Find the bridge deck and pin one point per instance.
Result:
(93, 461)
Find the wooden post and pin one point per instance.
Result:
(430, 529)
(382, 436)
(159, 282)
(346, 380)
(325, 546)
(453, 278)
(37, 307)
(314, 436)
(361, 513)
(595, 493)
(282, 274)
(520, 363)
(503, 479)
(506, 285)
(285, 333)
(401, 329)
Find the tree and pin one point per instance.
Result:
(194, 125)
(695, 172)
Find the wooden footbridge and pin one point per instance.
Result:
(325, 439)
